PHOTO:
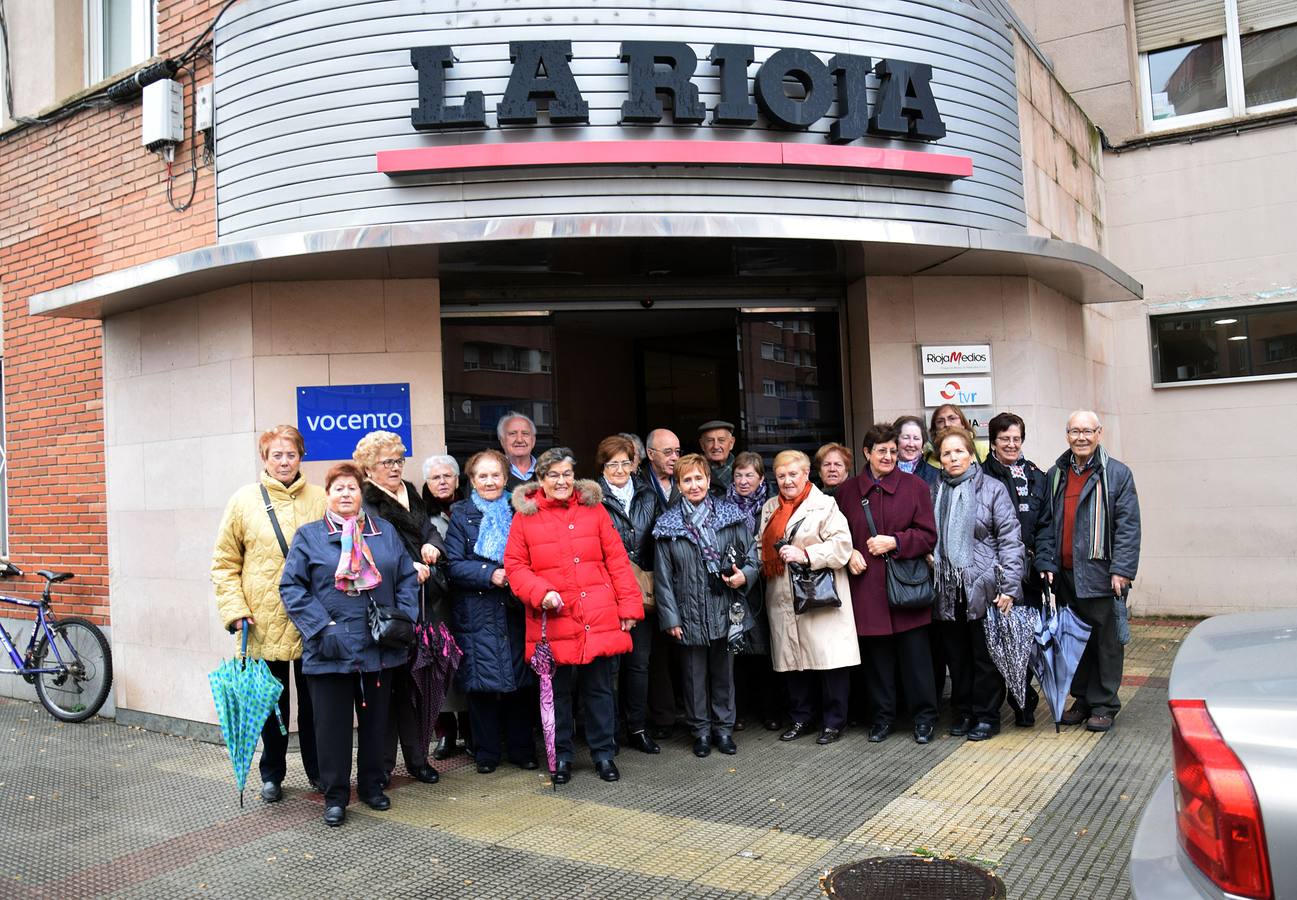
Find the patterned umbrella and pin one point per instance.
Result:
(436, 658)
(244, 692)
(542, 661)
(1060, 640)
(1010, 638)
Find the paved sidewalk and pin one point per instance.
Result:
(98, 809)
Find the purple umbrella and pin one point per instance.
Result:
(436, 657)
(542, 661)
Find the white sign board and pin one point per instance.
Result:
(961, 390)
(938, 358)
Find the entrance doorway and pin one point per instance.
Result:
(583, 375)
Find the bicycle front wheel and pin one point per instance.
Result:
(79, 688)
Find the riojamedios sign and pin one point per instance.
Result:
(903, 105)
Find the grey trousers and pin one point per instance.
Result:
(707, 677)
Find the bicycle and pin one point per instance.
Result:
(68, 660)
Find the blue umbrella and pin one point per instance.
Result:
(1060, 640)
(244, 692)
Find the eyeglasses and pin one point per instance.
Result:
(1083, 432)
(624, 465)
(392, 463)
(1006, 439)
(559, 476)
(669, 452)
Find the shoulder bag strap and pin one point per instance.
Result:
(869, 517)
(274, 521)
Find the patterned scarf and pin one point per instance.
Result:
(956, 519)
(493, 534)
(697, 521)
(624, 494)
(356, 570)
(750, 505)
(1100, 503)
(771, 565)
(910, 466)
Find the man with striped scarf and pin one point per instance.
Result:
(1096, 552)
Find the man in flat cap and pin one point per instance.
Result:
(716, 438)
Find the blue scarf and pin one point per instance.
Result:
(493, 533)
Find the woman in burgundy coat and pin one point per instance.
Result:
(565, 560)
(902, 509)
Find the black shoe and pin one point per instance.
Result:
(607, 770)
(725, 744)
(425, 773)
(444, 749)
(562, 772)
(739, 725)
(828, 736)
(961, 726)
(317, 785)
(795, 730)
(983, 731)
(773, 724)
(923, 734)
(380, 802)
(879, 731)
(1026, 717)
(642, 742)
(271, 792)
(485, 768)
(526, 764)
(335, 816)
(660, 732)
(702, 747)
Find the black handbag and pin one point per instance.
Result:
(812, 588)
(390, 627)
(909, 581)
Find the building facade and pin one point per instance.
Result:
(799, 216)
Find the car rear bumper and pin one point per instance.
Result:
(1158, 870)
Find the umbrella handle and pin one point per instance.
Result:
(243, 652)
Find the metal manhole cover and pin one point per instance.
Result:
(912, 878)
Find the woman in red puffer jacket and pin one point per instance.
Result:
(566, 563)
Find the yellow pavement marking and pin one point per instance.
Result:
(519, 813)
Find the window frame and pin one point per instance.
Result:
(1221, 310)
(144, 36)
(1235, 94)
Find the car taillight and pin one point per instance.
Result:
(1216, 810)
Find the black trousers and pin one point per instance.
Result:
(274, 746)
(336, 698)
(976, 686)
(905, 655)
(664, 666)
(403, 723)
(1098, 676)
(598, 702)
(635, 676)
(757, 690)
(501, 717)
(826, 689)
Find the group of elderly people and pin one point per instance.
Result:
(667, 583)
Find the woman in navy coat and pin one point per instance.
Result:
(345, 668)
(487, 620)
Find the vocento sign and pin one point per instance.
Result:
(941, 358)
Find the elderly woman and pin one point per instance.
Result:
(911, 442)
(755, 688)
(978, 560)
(488, 620)
(949, 415)
(902, 511)
(335, 569)
(832, 467)
(1028, 488)
(566, 562)
(632, 507)
(259, 521)
(381, 456)
(816, 648)
(705, 563)
(440, 491)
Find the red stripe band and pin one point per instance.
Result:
(704, 153)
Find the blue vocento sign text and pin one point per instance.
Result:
(333, 418)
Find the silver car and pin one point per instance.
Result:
(1223, 823)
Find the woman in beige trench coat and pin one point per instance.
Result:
(817, 648)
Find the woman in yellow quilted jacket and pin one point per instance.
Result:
(246, 567)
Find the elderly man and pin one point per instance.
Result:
(663, 449)
(1096, 539)
(716, 438)
(517, 434)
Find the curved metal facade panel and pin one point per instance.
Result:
(308, 91)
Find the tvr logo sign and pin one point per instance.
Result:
(952, 393)
(964, 390)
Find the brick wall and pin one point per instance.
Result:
(82, 198)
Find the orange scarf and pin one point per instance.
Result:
(771, 565)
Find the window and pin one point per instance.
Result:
(119, 34)
(1205, 60)
(1251, 342)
